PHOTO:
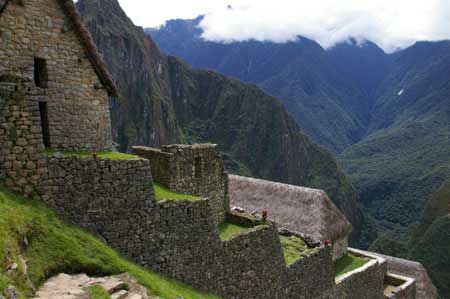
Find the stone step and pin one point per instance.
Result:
(120, 295)
(134, 296)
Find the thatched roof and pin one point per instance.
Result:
(87, 41)
(424, 286)
(309, 211)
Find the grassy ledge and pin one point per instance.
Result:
(97, 292)
(348, 263)
(53, 247)
(162, 193)
(294, 247)
(102, 155)
(228, 230)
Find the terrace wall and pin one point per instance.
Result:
(311, 277)
(366, 282)
(114, 199)
(405, 287)
(191, 169)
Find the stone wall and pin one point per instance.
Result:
(340, 247)
(400, 287)
(22, 157)
(191, 169)
(77, 103)
(114, 199)
(311, 277)
(366, 282)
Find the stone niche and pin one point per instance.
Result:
(191, 169)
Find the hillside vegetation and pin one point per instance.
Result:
(30, 231)
(164, 100)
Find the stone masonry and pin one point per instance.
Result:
(114, 199)
(197, 170)
(38, 42)
(22, 159)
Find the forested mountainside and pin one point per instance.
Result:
(431, 240)
(330, 107)
(386, 115)
(406, 155)
(164, 100)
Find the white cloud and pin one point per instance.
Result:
(391, 24)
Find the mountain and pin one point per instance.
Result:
(330, 107)
(405, 156)
(430, 244)
(386, 115)
(164, 100)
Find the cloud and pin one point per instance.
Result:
(392, 24)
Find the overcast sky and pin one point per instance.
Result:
(392, 24)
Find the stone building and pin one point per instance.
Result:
(44, 42)
(54, 89)
(197, 170)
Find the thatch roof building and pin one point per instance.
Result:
(305, 210)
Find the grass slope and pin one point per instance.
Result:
(228, 230)
(55, 247)
(348, 263)
(103, 155)
(293, 247)
(162, 193)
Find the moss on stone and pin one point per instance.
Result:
(348, 263)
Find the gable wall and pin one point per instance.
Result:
(77, 102)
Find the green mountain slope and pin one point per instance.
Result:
(433, 251)
(31, 231)
(254, 130)
(438, 206)
(406, 157)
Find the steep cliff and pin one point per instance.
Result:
(164, 100)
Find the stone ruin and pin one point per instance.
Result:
(54, 95)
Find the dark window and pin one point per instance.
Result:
(198, 167)
(40, 73)
(44, 123)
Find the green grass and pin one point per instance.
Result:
(55, 247)
(103, 155)
(97, 292)
(348, 263)
(228, 230)
(164, 193)
(293, 247)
